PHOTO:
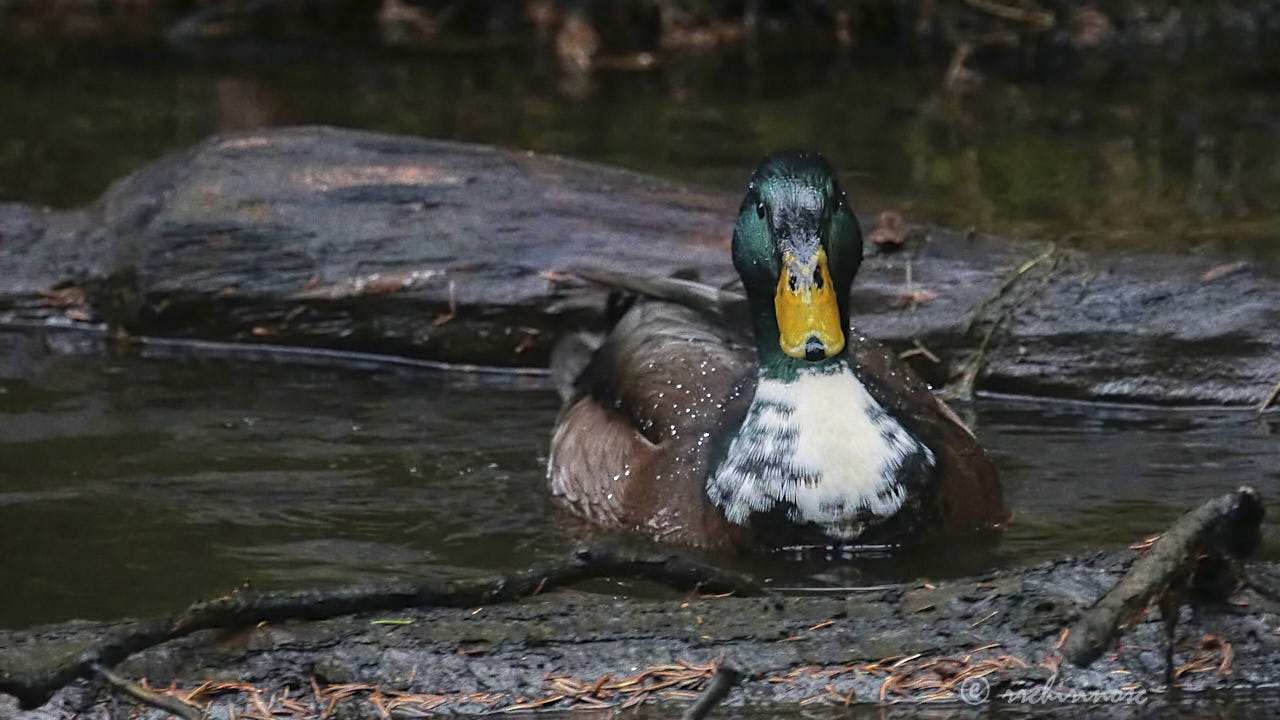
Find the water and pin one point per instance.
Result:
(1182, 156)
(132, 486)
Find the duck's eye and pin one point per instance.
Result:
(817, 278)
(760, 210)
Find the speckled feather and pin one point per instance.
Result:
(636, 440)
(632, 451)
(676, 432)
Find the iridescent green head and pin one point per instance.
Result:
(797, 247)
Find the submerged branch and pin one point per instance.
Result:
(34, 686)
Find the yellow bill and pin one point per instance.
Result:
(806, 308)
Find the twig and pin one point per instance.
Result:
(155, 347)
(1229, 525)
(34, 687)
(956, 69)
(963, 388)
(453, 306)
(721, 683)
(1037, 18)
(171, 705)
(910, 282)
(1008, 283)
(717, 302)
(985, 618)
(919, 349)
(1275, 393)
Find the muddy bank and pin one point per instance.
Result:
(571, 648)
(325, 238)
(533, 639)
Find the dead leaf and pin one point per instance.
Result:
(914, 298)
(889, 230)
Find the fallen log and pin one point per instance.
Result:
(1225, 527)
(509, 643)
(34, 683)
(351, 241)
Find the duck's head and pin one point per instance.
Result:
(797, 247)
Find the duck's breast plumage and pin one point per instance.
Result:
(967, 493)
(644, 443)
(820, 450)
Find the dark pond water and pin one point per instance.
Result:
(1184, 156)
(132, 485)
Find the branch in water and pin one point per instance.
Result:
(34, 687)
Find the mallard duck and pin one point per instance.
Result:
(676, 428)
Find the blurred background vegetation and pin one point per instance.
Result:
(1112, 122)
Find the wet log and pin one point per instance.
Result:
(342, 240)
(916, 642)
(32, 683)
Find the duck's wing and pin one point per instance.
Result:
(724, 307)
(569, 358)
(970, 494)
(649, 415)
(720, 307)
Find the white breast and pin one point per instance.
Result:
(820, 445)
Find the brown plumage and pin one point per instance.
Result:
(652, 412)
(626, 456)
(630, 450)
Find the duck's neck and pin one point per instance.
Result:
(776, 364)
(816, 447)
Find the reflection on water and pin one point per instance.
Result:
(1184, 156)
(131, 486)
